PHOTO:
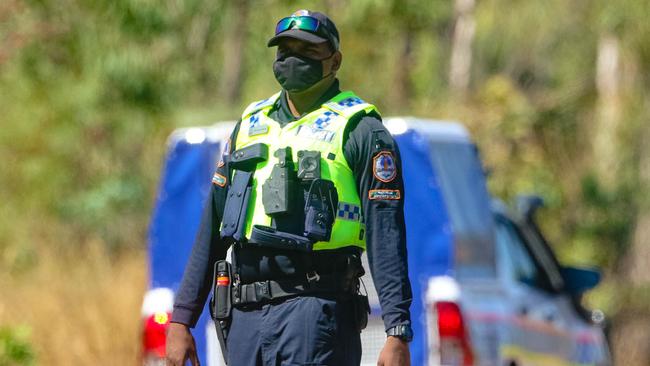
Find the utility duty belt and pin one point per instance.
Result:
(301, 205)
(266, 291)
(334, 273)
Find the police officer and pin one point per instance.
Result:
(310, 178)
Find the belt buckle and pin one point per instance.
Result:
(313, 276)
(262, 290)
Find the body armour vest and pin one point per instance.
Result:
(320, 131)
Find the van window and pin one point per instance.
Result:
(519, 264)
(462, 182)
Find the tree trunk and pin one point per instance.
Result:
(233, 51)
(606, 147)
(402, 90)
(461, 48)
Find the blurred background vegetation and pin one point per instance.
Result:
(556, 93)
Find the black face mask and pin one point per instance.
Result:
(297, 73)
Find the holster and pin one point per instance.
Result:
(360, 303)
(361, 307)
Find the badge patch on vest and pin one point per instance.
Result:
(384, 194)
(315, 133)
(383, 166)
(255, 127)
(219, 180)
(318, 130)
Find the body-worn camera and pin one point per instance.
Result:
(308, 165)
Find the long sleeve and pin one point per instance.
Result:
(208, 248)
(374, 158)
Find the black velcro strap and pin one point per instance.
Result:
(264, 291)
(267, 237)
(248, 157)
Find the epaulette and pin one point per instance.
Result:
(259, 105)
(348, 106)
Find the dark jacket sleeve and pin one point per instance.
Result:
(208, 248)
(370, 150)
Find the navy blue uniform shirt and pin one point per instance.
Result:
(382, 200)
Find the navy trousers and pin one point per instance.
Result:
(306, 330)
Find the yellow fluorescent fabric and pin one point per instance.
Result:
(321, 130)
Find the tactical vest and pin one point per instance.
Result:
(321, 130)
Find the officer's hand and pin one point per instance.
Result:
(180, 346)
(394, 353)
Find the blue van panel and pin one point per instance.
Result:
(183, 193)
(428, 231)
(462, 182)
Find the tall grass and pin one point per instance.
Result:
(81, 309)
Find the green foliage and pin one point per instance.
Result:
(606, 218)
(14, 348)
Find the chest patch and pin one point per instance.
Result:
(318, 130)
(255, 126)
(316, 134)
(383, 166)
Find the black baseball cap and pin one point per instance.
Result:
(326, 31)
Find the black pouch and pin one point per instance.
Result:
(222, 297)
(221, 303)
(361, 307)
(320, 205)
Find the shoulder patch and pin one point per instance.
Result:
(384, 194)
(383, 166)
(219, 180)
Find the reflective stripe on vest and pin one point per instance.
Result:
(321, 130)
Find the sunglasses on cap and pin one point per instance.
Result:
(306, 23)
(302, 22)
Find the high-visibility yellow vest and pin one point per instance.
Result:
(321, 130)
